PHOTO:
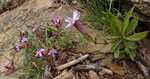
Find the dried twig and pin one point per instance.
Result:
(88, 67)
(144, 58)
(143, 69)
(72, 62)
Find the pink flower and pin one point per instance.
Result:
(3, 67)
(56, 22)
(34, 29)
(52, 52)
(11, 69)
(39, 53)
(24, 40)
(17, 47)
(77, 25)
(71, 21)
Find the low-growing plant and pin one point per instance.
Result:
(96, 12)
(121, 33)
(45, 44)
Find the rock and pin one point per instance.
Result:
(43, 3)
(97, 56)
(107, 61)
(117, 69)
(142, 9)
(11, 23)
(30, 13)
(105, 71)
(89, 46)
(93, 75)
(66, 75)
(11, 4)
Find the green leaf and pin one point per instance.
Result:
(132, 25)
(111, 38)
(137, 36)
(126, 20)
(132, 55)
(116, 53)
(29, 33)
(134, 52)
(77, 36)
(87, 38)
(114, 47)
(52, 28)
(129, 44)
(115, 24)
(127, 50)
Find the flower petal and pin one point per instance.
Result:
(57, 20)
(3, 67)
(53, 55)
(17, 47)
(34, 29)
(50, 52)
(24, 40)
(68, 19)
(37, 53)
(76, 15)
(68, 25)
(41, 50)
(40, 54)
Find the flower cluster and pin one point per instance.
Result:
(56, 31)
(38, 33)
(41, 52)
(56, 22)
(24, 40)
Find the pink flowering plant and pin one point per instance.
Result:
(44, 46)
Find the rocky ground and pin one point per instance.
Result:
(36, 12)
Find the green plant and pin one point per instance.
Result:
(2, 3)
(96, 12)
(46, 44)
(121, 33)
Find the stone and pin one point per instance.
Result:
(30, 14)
(117, 69)
(43, 3)
(11, 23)
(66, 75)
(93, 75)
(90, 46)
(142, 9)
(97, 56)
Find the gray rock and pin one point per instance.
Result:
(142, 9)
(11, 22)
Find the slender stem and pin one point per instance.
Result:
(48, 73)
(110, 5)
(15, 63)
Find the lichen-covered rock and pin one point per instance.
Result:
(12, 23)
(142, 9)
(31, 13)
